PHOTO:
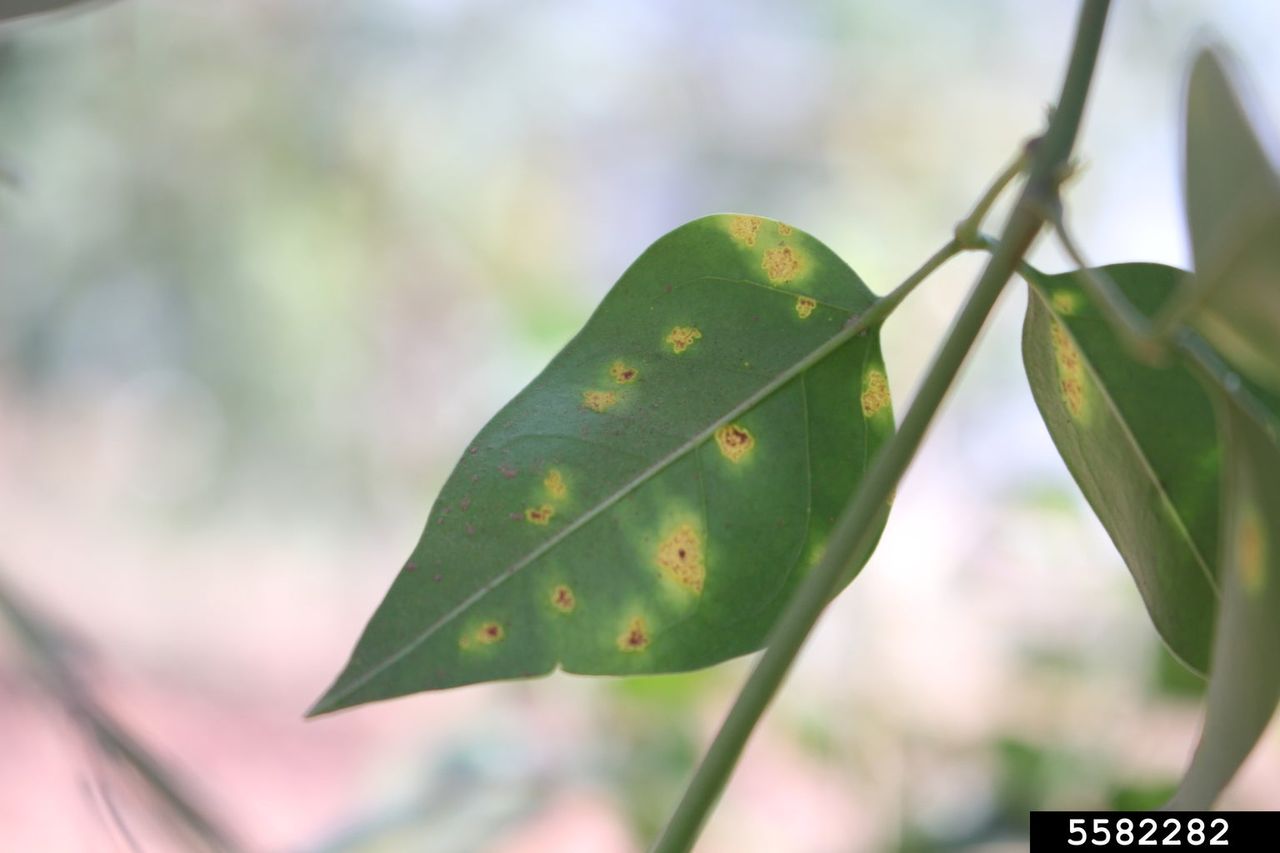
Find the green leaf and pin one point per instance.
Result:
(1140, 442)
(1245, 683)
(22, 8)
(651, 500)
(1233, 216)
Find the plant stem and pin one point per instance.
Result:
(885, 305)
(1129, 324)
(1046, 170)
(43, 645)
(968, 230)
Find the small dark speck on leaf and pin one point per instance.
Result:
(465, 503)
(507, 472)
(409, 567)
(516, 516)
(474, 450)
(436, 577)
(471, 530)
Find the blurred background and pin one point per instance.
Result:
(266, 267)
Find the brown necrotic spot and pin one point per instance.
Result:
(781, 264)
(784, 229)
(486, 635)
(680, 558)
(599, 401)
(1071, 377)
(623, 373)
(734, 441)
(562, 599)
(539, 514)
(554, 484)
(744, 229)
(635, 637)
(682, 337)
(875, 392)
(805, 306)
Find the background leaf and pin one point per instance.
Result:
(1233, 216)
(21, 8)
(649, 501)
(1140, 442)
(1245, 682)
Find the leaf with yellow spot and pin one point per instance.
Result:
(1140, 442)
(1244, 682)
(612, 526)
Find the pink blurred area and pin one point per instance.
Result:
(266, 268)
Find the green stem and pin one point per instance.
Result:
(968, 230)
(885, 305)
(851, 530)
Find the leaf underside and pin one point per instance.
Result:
(649, 502)
(1245, 684)
(1141, 443)
(1233, 217)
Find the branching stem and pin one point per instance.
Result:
(1046, 169)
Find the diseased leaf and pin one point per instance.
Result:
(1140, 442)
(1233, 216)
(1245, 683)
(649, 502)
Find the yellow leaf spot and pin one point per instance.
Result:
(744, 229)
(1071, 377)
(784, 229)
(635, 637)
(539, 514)
(805, 306)
(1066, 303)
(486, 635)
(599, 401)
(554, 484)
(781, 264)
(734, 441)
(562, 599)
(875, 392)
(682, 337)
(1251, 548)
(622, 373)
(680, 557)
